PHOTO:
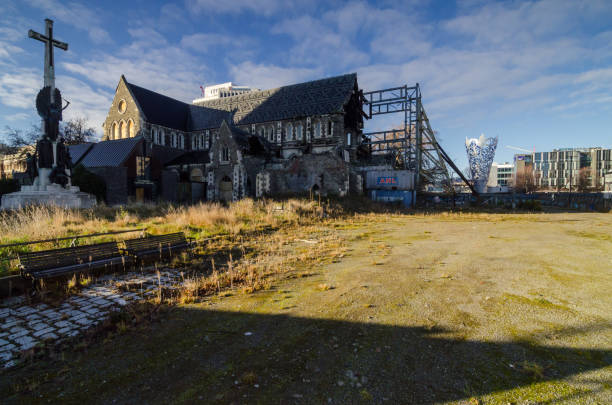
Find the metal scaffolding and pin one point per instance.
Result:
(414, 147)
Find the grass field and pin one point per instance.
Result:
(365, 308)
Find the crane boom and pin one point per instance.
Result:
(519, 149)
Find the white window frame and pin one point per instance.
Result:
(289, 136)
(271, 133)
(225, 154)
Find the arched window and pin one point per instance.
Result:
(271, 134)
(115, 134)
(289, 132)
(131, 128)
(225, 154)
(317, 129)
(298, 132)
(181, 141)
(348, 139)
(123, 129)
(330, 128)
(197, 175)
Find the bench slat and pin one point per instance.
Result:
(156, 244)
(77, 257)
(125, 260)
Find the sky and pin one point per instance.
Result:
(536, 74)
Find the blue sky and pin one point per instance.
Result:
(538, 74)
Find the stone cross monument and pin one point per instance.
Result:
(49, 106)
(50, 168)
(50, 43)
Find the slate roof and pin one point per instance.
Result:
(205, 118)
(160, 109)
(324, 96)
(78, 151)
(110, 153)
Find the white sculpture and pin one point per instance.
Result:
(481, 152)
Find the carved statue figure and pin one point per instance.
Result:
(59, 176)
(63, 155)
(31, 169)
(44, 153)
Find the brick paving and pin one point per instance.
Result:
(24, 326)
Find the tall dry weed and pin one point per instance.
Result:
(37, 222)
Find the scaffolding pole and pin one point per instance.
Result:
(415, 145)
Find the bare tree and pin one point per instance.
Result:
(524, 180)
(583, 182)
(77, 130)
(15, 140)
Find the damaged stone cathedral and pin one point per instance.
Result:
(297, 139)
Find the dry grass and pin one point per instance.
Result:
(200, 221)
(472, 308)
(35, 223)
(271, 256)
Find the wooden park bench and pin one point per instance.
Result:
(157, 246)
(58, 262)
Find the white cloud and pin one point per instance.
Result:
(265, 7)
(270, 76)
(11, 31)
(19, 89)
(17, 117)
(85, 101)
(203, 42)
(78, 15)
(318, 44)
(509, 24)
(149, 61)
(504, 64)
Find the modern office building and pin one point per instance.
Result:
(500, 177)
(575, 167)
(562, 169)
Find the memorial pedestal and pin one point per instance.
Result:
(52, 195)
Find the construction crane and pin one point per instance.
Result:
(519, 149)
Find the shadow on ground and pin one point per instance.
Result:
(199, 355)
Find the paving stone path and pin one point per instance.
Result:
(24, 326)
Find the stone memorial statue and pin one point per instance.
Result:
(60, 174)
(31, 169)
(49, 169)
(44, 153)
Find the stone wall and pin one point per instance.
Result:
(325, 173)
(116, 178)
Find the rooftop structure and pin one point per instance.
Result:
(222, 90)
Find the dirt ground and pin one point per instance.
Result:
(445, 308)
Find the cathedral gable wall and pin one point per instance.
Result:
(124, 119)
